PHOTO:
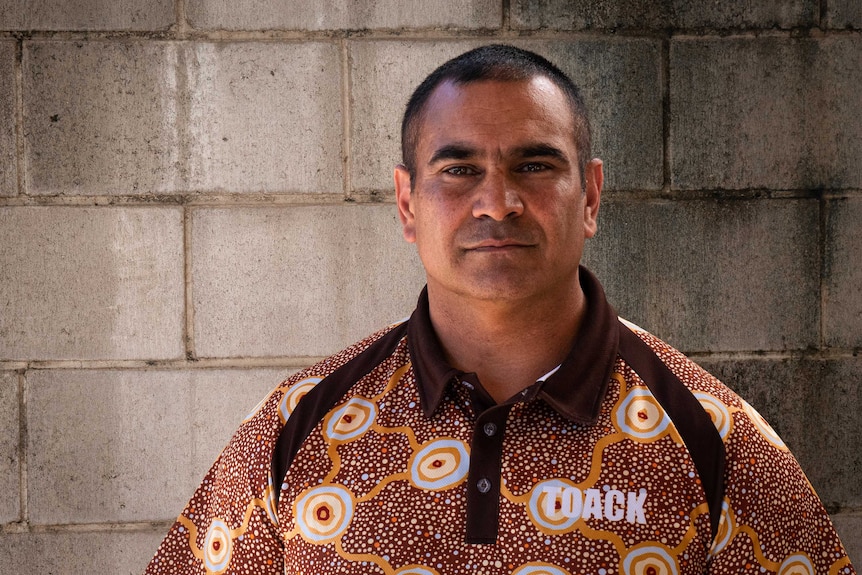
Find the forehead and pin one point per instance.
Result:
(496, 112)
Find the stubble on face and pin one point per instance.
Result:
(506, 225)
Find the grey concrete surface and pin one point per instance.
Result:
(145, 438)
(10, 434)
(101, 118)
(766, 113)
(91, 283)
(613, 14)
(8, 137)
(264, 117)
(301, 281)
(842, 282)
(114, 552)
(713, 275)
(343, 14)
(88, 15)
(849, 527)
(843, 14)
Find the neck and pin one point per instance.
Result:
(508, 344)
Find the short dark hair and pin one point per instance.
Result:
(498, 62)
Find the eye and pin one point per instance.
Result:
(460, 171)
(532, 167)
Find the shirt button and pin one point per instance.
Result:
(483, 485)
(490, 429)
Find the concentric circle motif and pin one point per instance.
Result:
(416, 570)
(717, 412)
(539, 568)
(640, 416)
(439, 464)
(726, 528)
(545, 507)
(650, 559)
(763, 427)
(217, 546)
(323, 513)
(296, 392)
(350, 420)
(799, 564)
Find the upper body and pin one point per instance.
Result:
(503, 429)
(586, 478)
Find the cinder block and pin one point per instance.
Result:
(813, 405)
(115, 552)
(147, 438)
(343, 14)
(86, 15)
(265, 117)
(91, 283)
(613, 14)
(101, 117)
(842, 293)
(844, 14)
(766, 113)
(849, 526)
(627, 123)
(713, 275)
(298, 281)
(8, 121)
(10, 495)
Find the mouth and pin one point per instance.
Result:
(498, 246)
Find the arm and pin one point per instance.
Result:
(230, 522)
(773, 521)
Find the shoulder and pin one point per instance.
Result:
(251, 446)
(727, 409)
(280, 402)
(699, 381)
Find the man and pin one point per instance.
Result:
(513, 424)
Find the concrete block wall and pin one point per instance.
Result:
(196, 201)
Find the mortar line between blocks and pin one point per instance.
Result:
(180, 15)
(665, 112)
(346, 118)
(188, 290)
(821, 249)
(23, 510)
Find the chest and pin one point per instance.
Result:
(379, 488)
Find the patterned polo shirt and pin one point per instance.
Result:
(412, 469)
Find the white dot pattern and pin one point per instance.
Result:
(379, 488)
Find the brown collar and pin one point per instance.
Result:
(575, 390)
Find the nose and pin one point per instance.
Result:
(497, 197)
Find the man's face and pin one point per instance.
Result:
(496, 208)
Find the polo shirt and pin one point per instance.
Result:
(408, 467)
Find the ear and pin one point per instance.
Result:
(592, 196)
(404, 199)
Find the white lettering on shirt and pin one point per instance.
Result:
(612, 505)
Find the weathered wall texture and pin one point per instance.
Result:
(195, 201)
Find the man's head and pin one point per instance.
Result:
(501, 196)
(500, 63)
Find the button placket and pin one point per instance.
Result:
(483, 492)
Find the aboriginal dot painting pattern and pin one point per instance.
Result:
(379, 488)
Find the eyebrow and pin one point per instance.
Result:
(464, 152)
(452, 152)
(540, 150)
